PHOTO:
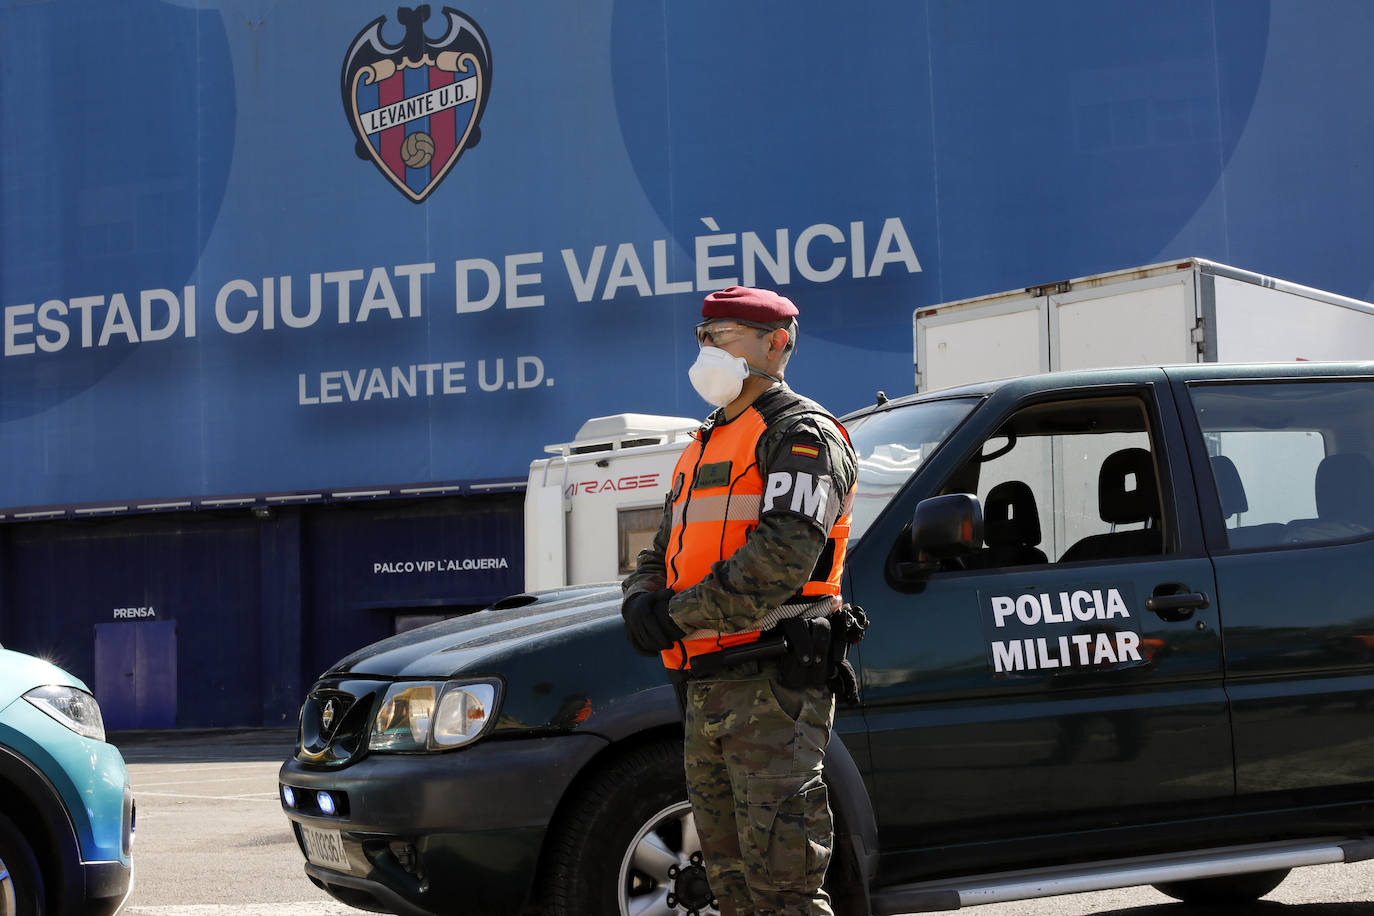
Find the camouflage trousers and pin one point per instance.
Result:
(753, 759)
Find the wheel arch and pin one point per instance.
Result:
(854, 861)
(31, 801)
(855, 857)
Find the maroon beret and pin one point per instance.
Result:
(748, 304)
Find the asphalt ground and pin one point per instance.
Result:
(212, 841)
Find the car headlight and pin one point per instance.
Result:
(74, 708)
(419, 716)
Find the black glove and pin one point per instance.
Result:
(648, 624)
(848, 624)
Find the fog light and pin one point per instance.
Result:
(288, 795)
(326, 802)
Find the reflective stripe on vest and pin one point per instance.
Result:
(710, 523)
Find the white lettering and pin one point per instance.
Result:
(59, 328)
(413, 273)
(706, 261)
(803, 257)
(778, 484)
(1002, 608)
(584, 284)
(465, 301)
(250, 316)
(118, 320)
(146, 299)
(84, 305)
(1115, 606)
(491, 384)
(379, 295)
(376, 384)
(344, 280)
(13, 328)
(893, 248)
(293, 320)
(661, 285)
(810, 494)
(1081, 610)
(1006, 656)
(626, 271)
(778, 265)
(515, 279)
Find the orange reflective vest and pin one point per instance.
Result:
(716, 501)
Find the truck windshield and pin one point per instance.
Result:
(891, 444)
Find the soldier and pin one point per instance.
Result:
(751, 546)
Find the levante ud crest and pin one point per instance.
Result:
(415, 107)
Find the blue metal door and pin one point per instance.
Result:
(136, 674)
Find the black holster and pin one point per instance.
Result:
(807, 662)
(818, 652)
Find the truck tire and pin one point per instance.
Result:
(614, 848)
(1225, 889)
(21, 882)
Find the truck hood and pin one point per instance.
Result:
(482, 640)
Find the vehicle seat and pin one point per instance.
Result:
(1126, 494)
(1230, 490)
(1345, 500)
(1011, 528)
(1231, 493)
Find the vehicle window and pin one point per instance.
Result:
(1291, 463)
(636, 529)
(891, 445)
(1066, 482)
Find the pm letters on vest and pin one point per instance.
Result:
(809, 494)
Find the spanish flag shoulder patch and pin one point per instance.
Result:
(806, 451)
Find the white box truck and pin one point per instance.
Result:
(1186, 311)
(592, 507)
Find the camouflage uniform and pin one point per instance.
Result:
(754, 748)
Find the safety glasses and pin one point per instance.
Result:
(716, 335)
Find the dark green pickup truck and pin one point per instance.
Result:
(1122, 633)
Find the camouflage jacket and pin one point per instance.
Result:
(778, 556)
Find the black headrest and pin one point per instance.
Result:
(1230, 490)
(1010, 518)
(1126, 490)
(1345, 488)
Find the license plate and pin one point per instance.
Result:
(324, 847)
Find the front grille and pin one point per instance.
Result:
(334, 723)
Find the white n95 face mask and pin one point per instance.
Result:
(719, 377)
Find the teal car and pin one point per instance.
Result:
(66, 807)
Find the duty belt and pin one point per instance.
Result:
(745, 659)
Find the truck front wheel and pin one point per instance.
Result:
(629, 843)
(1224, 889)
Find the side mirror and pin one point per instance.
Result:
(943, 527)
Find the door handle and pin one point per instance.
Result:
(1178, 606)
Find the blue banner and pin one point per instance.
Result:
(261, 248)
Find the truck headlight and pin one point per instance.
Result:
(419, 716)
(74, 708)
